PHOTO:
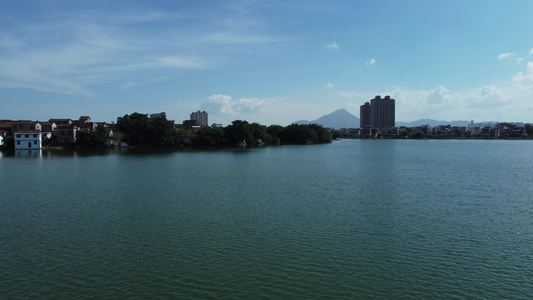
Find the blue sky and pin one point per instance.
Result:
(272, 62)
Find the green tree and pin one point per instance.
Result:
(260, 133)
(239, 132)
(275, 131)
(9, 143)
(208, 136)
(92, 138)
(323, 134)
(140, 130)
(305, 134)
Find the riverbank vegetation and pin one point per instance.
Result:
(140, 130)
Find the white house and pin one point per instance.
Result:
(28, 139)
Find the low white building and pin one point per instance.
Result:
(28, 139)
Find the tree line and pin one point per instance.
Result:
(254, 134)
(140, 130)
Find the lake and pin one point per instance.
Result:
(379, 219)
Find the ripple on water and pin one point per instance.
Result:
(332, 221)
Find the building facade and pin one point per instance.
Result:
(364, 115)
(28, 139)
(161, 115)
(379, 113)
(66, 133)
(201, 117)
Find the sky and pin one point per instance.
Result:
(271, 62)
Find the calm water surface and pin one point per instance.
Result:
(352, 219)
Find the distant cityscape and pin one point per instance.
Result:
(377, 120)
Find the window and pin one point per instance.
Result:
(18, 142)
(18, 135)
(34, 135)
(27, 135)
(35, 142)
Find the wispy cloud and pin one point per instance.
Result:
(505, 55)
(69, 56)
(371, 62)
(510, 55)
(131, 84)
(333, 45)
(330, 85)
(531, 51)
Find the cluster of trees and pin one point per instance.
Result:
(139, 129)
(244, 133)
(96, 138)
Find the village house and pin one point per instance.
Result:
(28, 139)
(83, 122)
(66, 133)
(5, 127)
(17, 126)
(61, 121)
(47, 130)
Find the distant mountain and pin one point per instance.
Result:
(343, 119)
(340, 118)
(432, 123)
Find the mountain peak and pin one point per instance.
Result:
(340, 118)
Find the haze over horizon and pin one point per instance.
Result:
(264, 61)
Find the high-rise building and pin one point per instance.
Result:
(364, 115)
(201, 117)
(379, 113)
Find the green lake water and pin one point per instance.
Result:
(383, 219)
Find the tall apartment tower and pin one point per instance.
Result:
(364, 115)
(380, 113)
(200, 117)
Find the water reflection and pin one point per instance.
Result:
(29, 153)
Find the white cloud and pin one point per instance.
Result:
(519, 60)
(490, 96)
(438, 96)
(371, 62)
(524, 78)
(330, 85)
(531, 51)
(226, 105)
(486, 103)
(333, 45)
(505, 55)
